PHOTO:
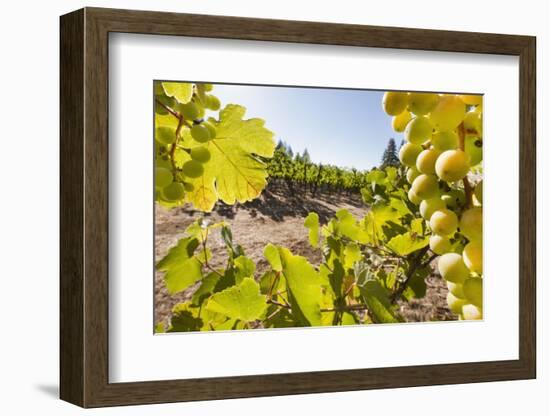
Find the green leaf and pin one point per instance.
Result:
(304, 286)
(352, 253)
(272, 255)
(416, 287)
(417, 227)
(377, 300)
(181, 91)
(184, 249)
(243, 302)
(185, 319)
(312, 224)
(159, 328)
(234, 172)
(207, 287)
(348, 226)
(244, 267)
(181, 268)
(407, 243)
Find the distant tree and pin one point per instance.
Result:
(306, 157)
(390, 158)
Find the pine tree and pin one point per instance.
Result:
(389, 158)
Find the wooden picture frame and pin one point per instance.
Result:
(84, 207)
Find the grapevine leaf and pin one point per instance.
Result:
(244, 267)
(185, 319)
(352, 253)
(183, 275)
(181, 91)
(234, 173)
(407, 243)
(347, 226)
(243, 301)
(377, 300)
(183, 250)
(181, 267)
(272, 255)
(417, 227)
(416, 287)
(349, 318)
(312, 224)
(207, 287)
(304, 286)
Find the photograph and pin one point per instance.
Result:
(288, 206)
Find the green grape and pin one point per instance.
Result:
(473, 256)
(211, 128)
(213, 102)
(444, 222)
(456, 289)
(425, 186)
(208, 87)
(192, 169)
(455, 303)
(425, 162)
(452, 165)
(421, 103)
(408, 154)
(201, 111)
(473, 146)
(201, 154)
(448, 113)
(429, 206)
(163, 163)
(472, 123)
(454, 198)
(400, 121)
(478, 192)
(412, 173)
(163, 177)
(418, 130)
(394, 103)
(165, 135)
(473, 291)
(471, 312)
(439, 244)
(471, 99)
(173, 192)
(188, 186)
(200, 133)
(445, 140)
(471, 223)
(452, 268)
(189, 111)
(413, 197)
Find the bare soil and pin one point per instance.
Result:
(276, 217)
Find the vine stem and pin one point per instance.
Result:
(467, 186)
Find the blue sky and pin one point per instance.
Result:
(347, 128)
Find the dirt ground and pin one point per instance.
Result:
(277, 218)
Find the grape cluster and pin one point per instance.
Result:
(443, 146)
(181, 127)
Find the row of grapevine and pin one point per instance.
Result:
(298, 173)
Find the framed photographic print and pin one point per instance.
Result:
(256, 207)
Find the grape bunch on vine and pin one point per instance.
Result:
(443, 153)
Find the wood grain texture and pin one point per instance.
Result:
(71, 184)
(84, 207)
